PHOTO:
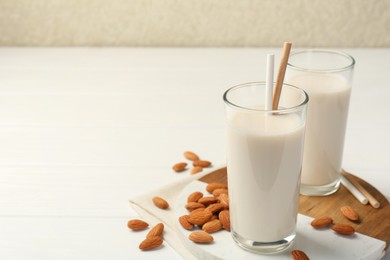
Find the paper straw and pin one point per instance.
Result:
(269, 89)
(281, 72)
(370, 198)
(355, 192)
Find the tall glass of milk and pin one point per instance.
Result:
(326, 76)
(264, 160)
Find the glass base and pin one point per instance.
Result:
(263, 247)
(323, 190)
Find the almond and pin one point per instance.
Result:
(179, 167)
(196, 210)
(196, 169)
(224, 217)
(195, 196)
(343, 229)
(214, 216)
(137, 224)
(299, 255)
(160, 203)
(224, 199)
(212, 226)
(208, 200)
(201, 163)
(218, 192)
(322, 222)
(215, 185)
(216, 207)
(157, 231)
(349, 213)
(183, 220)
(150, 243)
(190, 206)
(199, 217)
(201, 237)
(191, 156)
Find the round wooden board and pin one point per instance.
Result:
(373, 222)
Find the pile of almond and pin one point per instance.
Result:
(208, 213)
(211, 214)
(197, 163)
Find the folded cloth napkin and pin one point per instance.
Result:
(144, 206)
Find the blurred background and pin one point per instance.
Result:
(200, 23)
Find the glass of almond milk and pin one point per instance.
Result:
(326, 76)
(264, 160)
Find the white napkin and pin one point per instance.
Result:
(144, 206)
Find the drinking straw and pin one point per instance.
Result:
(352, 189)
(281, 72)
(370, 198)
(269, 89)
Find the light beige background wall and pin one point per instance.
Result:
(310, 23)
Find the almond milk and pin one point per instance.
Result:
(326, 124)
(264, 164)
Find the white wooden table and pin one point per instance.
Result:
(82, 130)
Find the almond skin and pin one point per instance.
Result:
(349, 213)
(196, 170)
(160, 203)
(179, 167)
(183, 220)
(195, 196)
(199, 217)
(321, 222)
(224, 199)
(201, 237)
(201, 163)
(191, 156)
(214, 216)
(208, 200)
(215, 185)
(343, 229)
(157, 231)
(190, 206)
(299, 255)
(137, 224)
(212, 226)
(216, 207)
(196, 210)
(224, 217)
(218, 192)
(150, 243)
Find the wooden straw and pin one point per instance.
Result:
(370, 198)
(281, 72)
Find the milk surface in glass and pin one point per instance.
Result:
(326, 125)
(264, 164)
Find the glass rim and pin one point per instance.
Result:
(340, 53)
(283, 110)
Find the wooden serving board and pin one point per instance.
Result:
(373, 222)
